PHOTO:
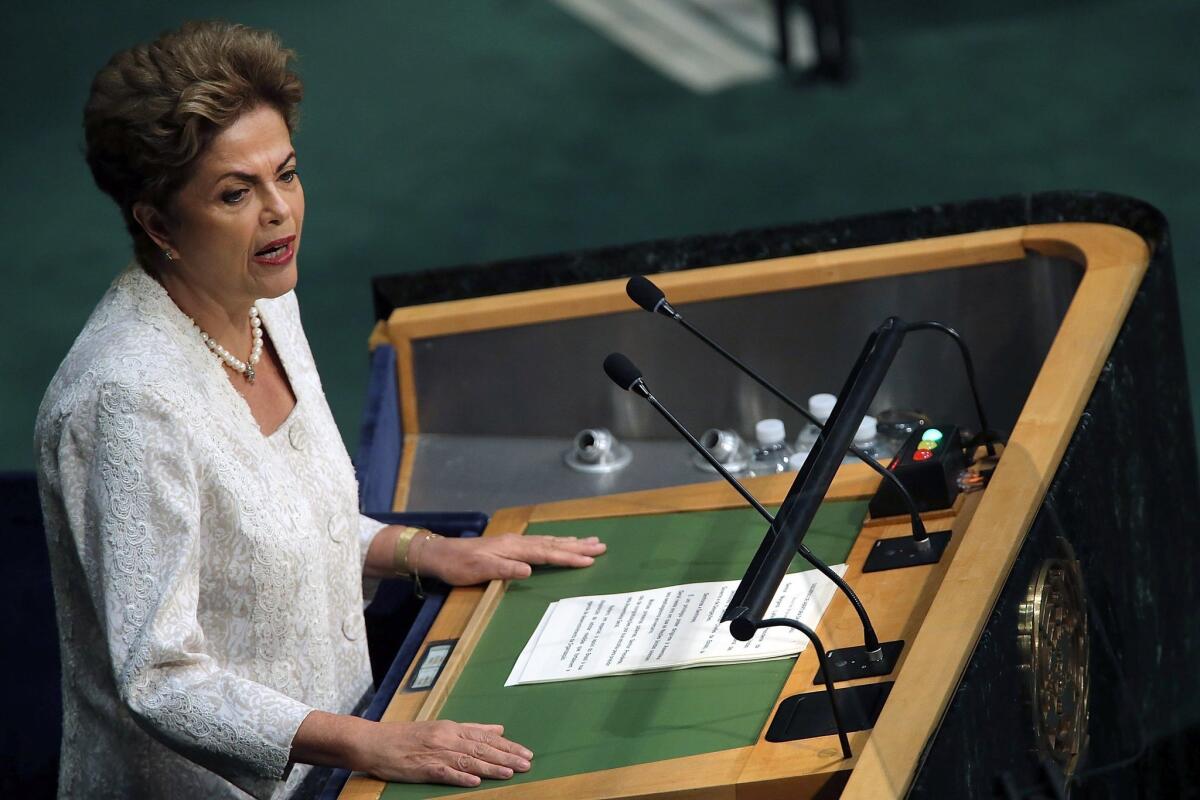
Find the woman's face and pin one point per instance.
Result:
(234, 227)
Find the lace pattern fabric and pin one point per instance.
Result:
(207, 577)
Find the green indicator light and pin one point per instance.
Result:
(931, 435)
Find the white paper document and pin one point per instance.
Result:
(669, 628)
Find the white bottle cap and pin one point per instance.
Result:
(821, 406)
(866, 430)
(769, 432)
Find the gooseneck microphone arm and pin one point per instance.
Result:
(969, 368)
(623, 373)
(823, 661)
(646, 294)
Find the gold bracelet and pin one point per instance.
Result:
(400, 553)
(416, 572)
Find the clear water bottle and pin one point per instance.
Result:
(820, 406)
(772, 454)
(867, 439)
(895, 426)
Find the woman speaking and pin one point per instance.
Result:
(201, 510)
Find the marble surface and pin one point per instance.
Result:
(1123, 498)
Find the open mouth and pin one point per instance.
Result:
(276, 250)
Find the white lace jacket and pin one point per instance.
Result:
(208, 579)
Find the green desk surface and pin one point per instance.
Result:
(603, 723)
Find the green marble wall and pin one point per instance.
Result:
(446, 133)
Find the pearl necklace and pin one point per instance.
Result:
(234, 363)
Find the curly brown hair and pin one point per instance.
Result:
(154, 108)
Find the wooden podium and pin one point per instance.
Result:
(969, 704)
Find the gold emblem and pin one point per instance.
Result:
(1053, 637)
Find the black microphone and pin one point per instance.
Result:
(625, 374)
(646, 294)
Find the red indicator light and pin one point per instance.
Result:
(922, 455)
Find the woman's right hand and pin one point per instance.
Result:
(457, 753)
(440, 751)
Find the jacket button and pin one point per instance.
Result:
(337, 527)
(352, 626)
(298, 436)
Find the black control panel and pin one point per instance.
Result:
(928, 465)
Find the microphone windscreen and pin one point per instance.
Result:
(622, 371)
(642, 291)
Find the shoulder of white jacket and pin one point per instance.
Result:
(141, 363)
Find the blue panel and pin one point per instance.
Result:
(377, 463)
(29, 684)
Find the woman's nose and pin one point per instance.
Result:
(275, 208)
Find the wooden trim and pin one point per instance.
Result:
(707, 283)
(410, 424)
(852, 480)
(360, 786)
(671, 779)
(711, 776)
(406, 383)
(901, 519)
(1115, 261)
(408, 461)
(378, 336)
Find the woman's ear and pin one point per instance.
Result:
(154, 224)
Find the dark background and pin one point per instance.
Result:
(435, 134)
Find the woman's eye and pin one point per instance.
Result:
(233, 197)
(289, 176)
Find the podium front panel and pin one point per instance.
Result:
(1116, 494)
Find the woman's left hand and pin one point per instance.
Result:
(461, 562)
